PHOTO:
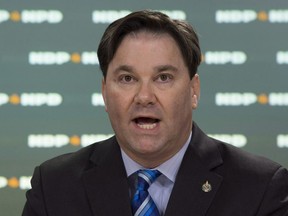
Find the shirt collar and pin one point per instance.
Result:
(169, 168)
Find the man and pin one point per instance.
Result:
(159, 162)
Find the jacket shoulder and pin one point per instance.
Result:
(76, 161)
(229, 157)
(241, 160)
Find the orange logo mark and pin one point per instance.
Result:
(262, 16)
(15, 16)
(13, 182)
(263, 99)
(14, 99)
(75, 140)
(75, 58)
(202, 58)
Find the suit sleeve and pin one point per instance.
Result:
(35, 203)
(275, 200)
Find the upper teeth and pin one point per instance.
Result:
(147, 126)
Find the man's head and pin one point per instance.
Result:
(154, 22)
(150, 86)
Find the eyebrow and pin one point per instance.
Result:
(158, 69)
(126, 68)
(167, 67)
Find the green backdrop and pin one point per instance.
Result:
(50, 82)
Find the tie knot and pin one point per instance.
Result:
(146, 177)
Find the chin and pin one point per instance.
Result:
(150, 149)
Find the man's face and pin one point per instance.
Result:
(149, 97)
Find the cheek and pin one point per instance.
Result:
(117, 103)
(182, 104)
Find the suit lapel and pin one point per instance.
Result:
(188, 197)
(106, 181)
(107, 189)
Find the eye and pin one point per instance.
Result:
(164, 77)
(126, 79)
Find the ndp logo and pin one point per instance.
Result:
(59, 58)
(238, 140)
(108, 16)
(32, 16)
(247, 16)
(224, 57)
(23, 182)
(60, 140)
(248, 98)
(31, 99)
(282, 140)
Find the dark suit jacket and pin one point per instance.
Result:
(93, 181)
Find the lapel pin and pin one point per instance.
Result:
(206, 187)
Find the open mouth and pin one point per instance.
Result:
(146, 123)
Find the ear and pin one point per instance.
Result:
(195, 90)
(104, 92)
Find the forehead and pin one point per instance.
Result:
(144, 51)
(147, 34)
(145, 39)
(147, 42)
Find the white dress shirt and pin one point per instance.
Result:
(159, 190)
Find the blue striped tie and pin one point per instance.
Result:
(142, 203)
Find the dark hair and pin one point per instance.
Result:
(155, 22)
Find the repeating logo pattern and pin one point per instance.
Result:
(50, 81)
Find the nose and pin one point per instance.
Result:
(145, 95)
